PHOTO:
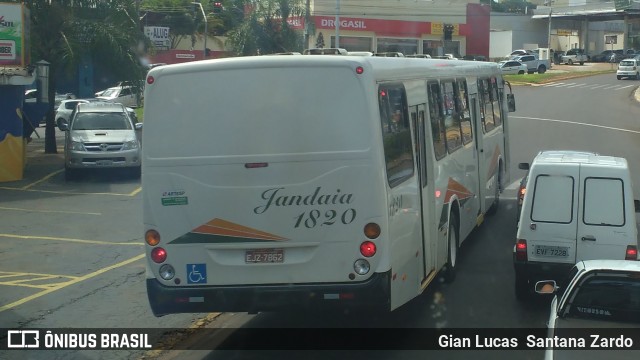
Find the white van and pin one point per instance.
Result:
(578, 206)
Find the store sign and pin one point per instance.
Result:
(564, 32)
(8, 49)
(159, 35)
(14, 31)
(437, 28)
(345, 24)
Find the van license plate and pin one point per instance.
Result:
(259, 256)
(552, 251)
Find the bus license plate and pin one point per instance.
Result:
(552, 251)
(260, 256)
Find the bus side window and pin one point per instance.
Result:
(485, 105)
(462, 106)
(437, 120)
(396, 133)
(496, 101)
(452, 117)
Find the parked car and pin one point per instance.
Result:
(512, 67)
(533, 63)
(518, 52)
(574, 56)
(600, 296)
(628, 68)
(101, 135)
(31, 96)
(420, 56)
(66, 107)
(474, 58)
(125, 95)
(609, 56)
(577, 206)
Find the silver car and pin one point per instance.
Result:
(101, 135)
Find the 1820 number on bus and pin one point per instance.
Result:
(313, 218)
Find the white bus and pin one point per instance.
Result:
(279, 181)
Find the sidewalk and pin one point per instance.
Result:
(590, 66)
(38, 163)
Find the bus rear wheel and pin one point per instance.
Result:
(452, 253)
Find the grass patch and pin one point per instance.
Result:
(547, 77)
(139, 113)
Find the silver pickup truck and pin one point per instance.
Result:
(574, 56)
(533, 63)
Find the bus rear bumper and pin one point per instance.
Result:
(164, 300)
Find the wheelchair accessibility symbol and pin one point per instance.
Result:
(196, 273)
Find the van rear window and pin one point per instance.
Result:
(553, 199)
(603, 202)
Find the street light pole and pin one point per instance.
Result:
(337, 21)
(204, 17)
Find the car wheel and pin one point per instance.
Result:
(521, 72)
(496, 200)
(619, 77)
(581, 62)
(452, 252)
(70, 174)
(637, 76)
(542, 69)
(570, 62)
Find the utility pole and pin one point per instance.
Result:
(337, 23)
(206, 33)
(307, 25)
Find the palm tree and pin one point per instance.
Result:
(265, 29)
(67, 33)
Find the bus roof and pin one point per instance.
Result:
(383, 67)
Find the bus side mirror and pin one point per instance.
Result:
(636, 203)
(525, 166)
(511, 102)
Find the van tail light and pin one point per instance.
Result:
(632, 253)
(521, 250)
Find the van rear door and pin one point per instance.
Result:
(604, 230)
(552, 215)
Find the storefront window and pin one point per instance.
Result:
(405, 46)
(353, 43)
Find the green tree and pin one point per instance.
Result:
(510, 6)
(265, 29)
(67, 33)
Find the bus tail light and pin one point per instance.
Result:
(158, 255)
(631, 253)
(521, 250)
(368, 249)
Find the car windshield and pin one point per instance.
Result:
(627, 63)
(110, 93)
(100, 121)
(610, 298)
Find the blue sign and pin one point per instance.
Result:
(196, 273)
